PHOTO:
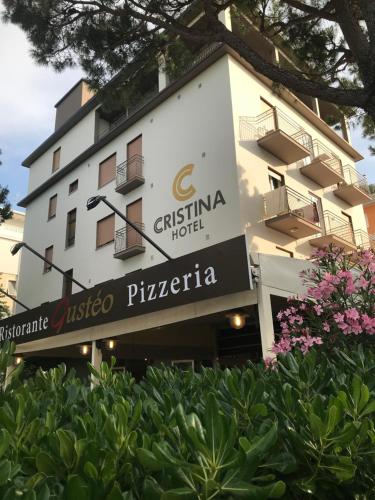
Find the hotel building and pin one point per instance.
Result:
(236, 180)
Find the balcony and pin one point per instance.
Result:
(364, 240)
(335, 231)
(324, 168)
(287, 211)
(129, 174)
(278, 134)
(128, 242)
(354, 189)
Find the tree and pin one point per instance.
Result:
(5, 206)
(334, 38)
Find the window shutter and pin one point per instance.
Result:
(105, 230)
(107, 170)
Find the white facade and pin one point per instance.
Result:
(199, 125)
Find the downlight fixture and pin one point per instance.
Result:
(237, 319)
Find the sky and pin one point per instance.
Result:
(28, 93)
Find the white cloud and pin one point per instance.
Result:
(28, 92)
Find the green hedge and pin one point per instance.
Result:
(302, 430)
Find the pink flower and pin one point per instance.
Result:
(270, 363)
(362, 282)
(326, 327)
(338, 317)
(318, 309)
(352, 313)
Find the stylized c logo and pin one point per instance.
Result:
(179, 192)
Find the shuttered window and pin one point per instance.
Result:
(134, 214)
(56, 160)
(71, 228)
(107, 170)
(48, 254)
(52, 206)
(105, 230)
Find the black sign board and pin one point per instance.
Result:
(212, 272)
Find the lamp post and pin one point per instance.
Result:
(95, 200)
(15, 300)
(17, 247)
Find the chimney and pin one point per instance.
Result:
(71, 102)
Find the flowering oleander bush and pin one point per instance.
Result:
(338, 308)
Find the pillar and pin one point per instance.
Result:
(267, 333)
(96, 359)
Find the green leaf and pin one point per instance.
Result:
(283, 462)
(148, 460)
(44, 463)
(370, 408)
(44, 493)
(316, 425)
(179, 493)
(151, 489)
(67, 450)
(115, 493)
(242, 489)
(4, 441)
(5, 471)
(256, 451)
(76, 489)
(90, 470)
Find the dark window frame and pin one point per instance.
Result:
(47, 267)
(70, 240)
(74, 183)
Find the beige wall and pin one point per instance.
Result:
(11, 232)
(253, 163)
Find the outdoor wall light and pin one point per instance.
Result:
(17, 247)
(18, 360)
(237, 319)
(111, 344)
(84, 349)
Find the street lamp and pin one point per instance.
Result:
(15, 300)
(17, 247)
(95, 200)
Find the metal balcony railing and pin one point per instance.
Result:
(127, 238)
(364, 240)
(129, 170)
(337, 226)
(254, 128)
(322, 152)
(284, 200)
(354, 178)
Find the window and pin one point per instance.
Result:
(67, 284)
(71, 228)
(349, 221)
(56, 160)
(12, 287)
(73, 186)
(276, 180)
(48, 254)
(105, 230)
(107, 171)
(134, 158)
(317, 210)
(52, 207)
(134, 214)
